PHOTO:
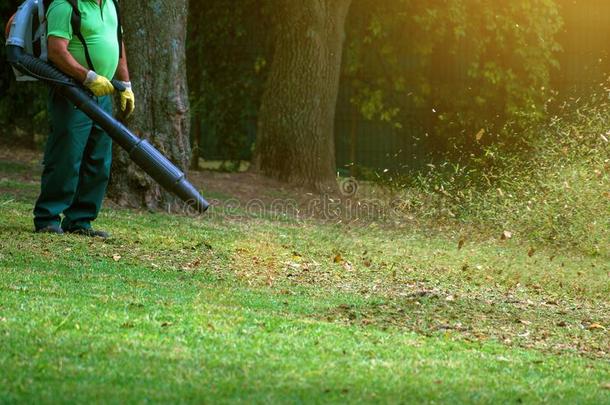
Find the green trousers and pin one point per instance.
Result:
(76, 171)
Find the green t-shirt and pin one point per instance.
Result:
(99, 24)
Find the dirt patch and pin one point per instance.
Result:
(248, 195)
(245, 186)
(545, 325)
(237, 194)
(253, 195)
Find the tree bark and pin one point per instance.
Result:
(196, 141)
(295, 141)
(155, 36)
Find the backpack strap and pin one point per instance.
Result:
(76, 30)
(46, 4)
(119, 27)
(76, 25)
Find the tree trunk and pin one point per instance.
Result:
(194, 73)
(196, 141)
(155, 36)
(295, 140)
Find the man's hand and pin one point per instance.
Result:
(99, 85)
(128, 100)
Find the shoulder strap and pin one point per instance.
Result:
(46, 4)
(119, 27)
(76, 24)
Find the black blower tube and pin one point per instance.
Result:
(140, 151)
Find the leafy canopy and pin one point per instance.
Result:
(453, 67)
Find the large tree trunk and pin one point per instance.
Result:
(155, 36)
(296, 121)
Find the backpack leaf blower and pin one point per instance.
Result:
(26, 52)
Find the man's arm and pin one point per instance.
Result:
(122, 72)
(63, 59)
(128, 99)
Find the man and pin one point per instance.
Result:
(78, 152)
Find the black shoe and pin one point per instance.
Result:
(90, 233)
(56, 229)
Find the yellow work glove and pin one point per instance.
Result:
(128, 100)
(99, 85)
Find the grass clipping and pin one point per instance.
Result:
(554, 190)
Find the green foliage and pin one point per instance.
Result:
(458, 65)
(227, 57)
(23, 112)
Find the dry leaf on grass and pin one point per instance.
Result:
(479, 135)
(506, 235)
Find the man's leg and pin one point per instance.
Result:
(94, 176)
(70, 129)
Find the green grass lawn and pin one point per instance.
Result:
(225, 310)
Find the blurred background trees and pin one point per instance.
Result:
(439, 72)
(421, 81)
(228, 50)
(22, 106)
